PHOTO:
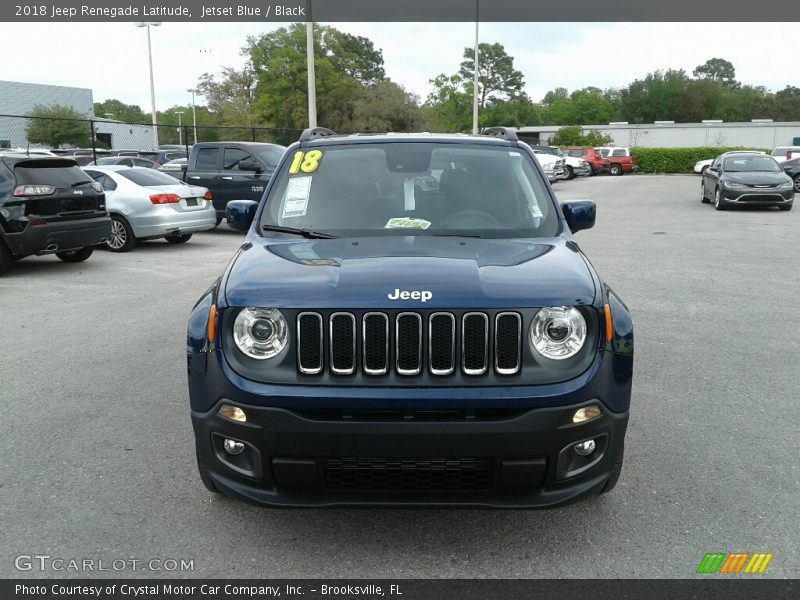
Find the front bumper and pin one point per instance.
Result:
(522, 459)
(756, 197)
(59, 236)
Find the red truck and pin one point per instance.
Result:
(591, 155)
(620, 160)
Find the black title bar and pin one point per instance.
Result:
(401, 10)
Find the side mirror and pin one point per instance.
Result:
(249, 165)
(580, 214)
(714, 169)
(240, 214)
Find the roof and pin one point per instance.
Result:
(379, 138)
(214, 144)
(111, 167)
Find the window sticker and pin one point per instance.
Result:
(297, 193)
(305, 162)
(407, 223)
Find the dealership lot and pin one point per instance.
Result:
(99, 457)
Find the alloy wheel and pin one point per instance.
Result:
(118, 235)
(797, 184)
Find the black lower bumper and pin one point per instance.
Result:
(59, 236)
(524, 459)
(756, 198)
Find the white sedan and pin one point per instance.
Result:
(146, 204)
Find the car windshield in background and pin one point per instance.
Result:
(60, 177)
(576, 152)
(148, 177)
(412, 188)
(751, 163)
(784, 150)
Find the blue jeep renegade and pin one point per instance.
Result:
(410, 321)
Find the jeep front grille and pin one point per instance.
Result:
(408, 343)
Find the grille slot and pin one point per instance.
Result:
(376, 343)
(343, 343)
(474, 343)
(408, 343)
(442, 343)
(309, 343)
(409, 474)
(507, 338)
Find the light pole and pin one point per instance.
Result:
(148, 25)
(475, 73)
(180, 128)
(312, 80)
(194, 116)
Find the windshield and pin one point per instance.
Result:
(148, 177)
(412, 188)
(576, 152)
(784, 150)
(751, 163)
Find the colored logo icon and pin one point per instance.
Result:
(735, 562)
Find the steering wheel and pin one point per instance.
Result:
(469, 219)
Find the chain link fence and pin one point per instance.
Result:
(101, 137)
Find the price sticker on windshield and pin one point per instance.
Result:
(305, 162)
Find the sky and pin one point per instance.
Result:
(550, 55)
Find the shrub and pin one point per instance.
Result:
(675, 160)
(572, 135)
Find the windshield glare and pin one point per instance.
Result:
(750, 163)
(412, 188)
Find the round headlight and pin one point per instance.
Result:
(558, 332)
(260, 332)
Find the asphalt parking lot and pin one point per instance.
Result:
(98, 452)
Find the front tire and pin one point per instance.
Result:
(797, 184)
(615, 170)
(570, 173)
(178, 238)
(121, 238)
(74, 256)
(718, 204)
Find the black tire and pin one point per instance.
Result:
(219, 220)
(204, 476)
(74, 256)
(5, 258)
(703, 198)
(178, 238)
(570, 173)
(797, 184)
(785, 207)
(615, 170)
(718, 200)
(121, 238)
(615, 472)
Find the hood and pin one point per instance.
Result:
(757, 178)
(385, 272)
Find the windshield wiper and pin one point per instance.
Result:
(306, 233)
(77, 183)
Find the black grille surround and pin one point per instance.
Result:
(441, 360)
(408, 474)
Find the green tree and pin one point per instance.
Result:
(57, 125)
(717, 69)
(231, 96)
(516, 112)
(572, 135)
(129, 113)
(386, 106)
(449, 105)
(497, 77)
(659, 96)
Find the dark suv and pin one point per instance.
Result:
(410, 321)
(49, 206)
(232, 170)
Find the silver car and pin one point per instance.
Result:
(146, 204)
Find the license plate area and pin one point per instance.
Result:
(191, 202)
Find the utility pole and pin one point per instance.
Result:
(312, 80)
(148, 25)
(475, 73)
(194, 116)
(180, 127)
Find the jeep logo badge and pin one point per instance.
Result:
(423, 295)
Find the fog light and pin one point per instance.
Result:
(232, 412)
(233, 447)
(586, 413)
(584, 448)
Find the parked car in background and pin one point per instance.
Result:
(164, 156)
(232, 170)
(552, 165)
(49, 206)
(145, 204)
(746, 178)
(573, 167)
(83, 156)
(784, 153)
(620, 160)
(125, 161)
(175, 167)
(596, 161)
(792, 169)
